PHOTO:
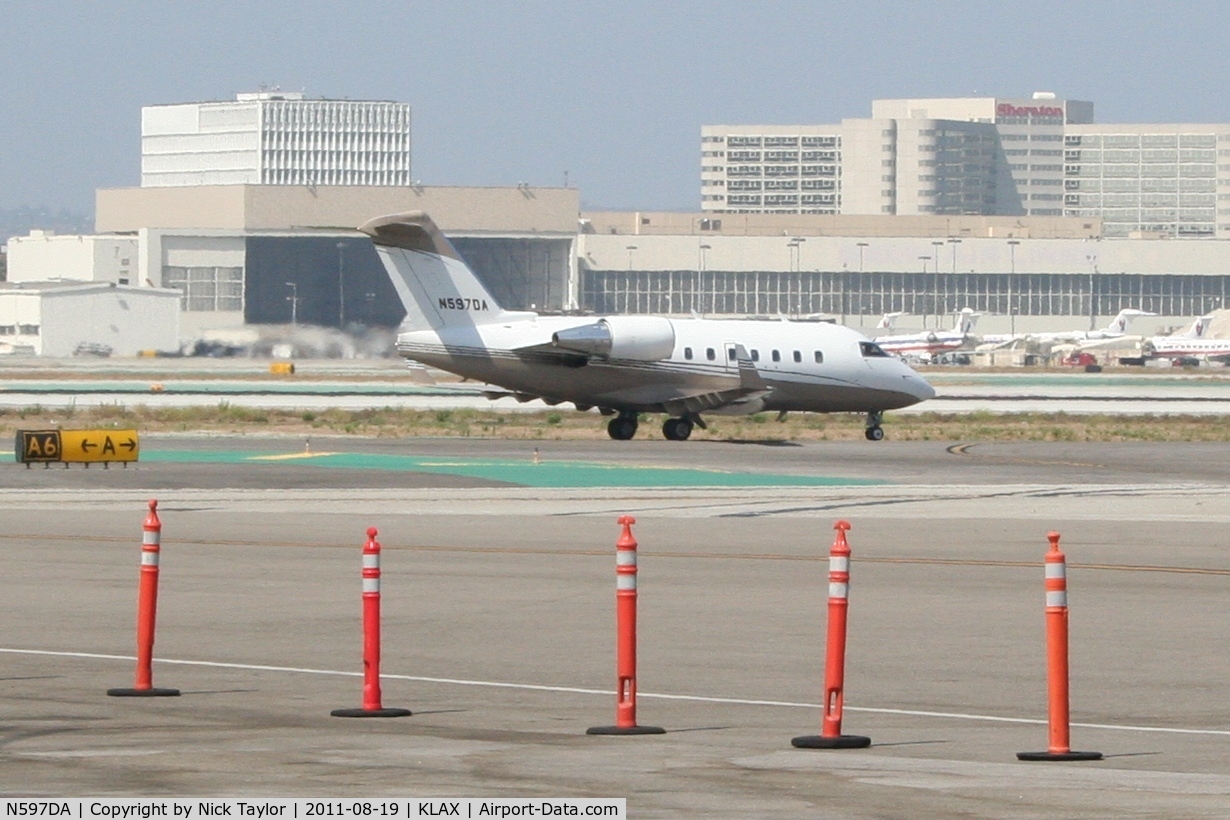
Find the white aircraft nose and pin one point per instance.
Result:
(923, 389)
(918, 387)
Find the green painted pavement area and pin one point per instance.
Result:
(521, 472)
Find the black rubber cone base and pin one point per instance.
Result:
(625, 730)
(370, 713)
(143, 693)
(839, 742)
(1058, 755)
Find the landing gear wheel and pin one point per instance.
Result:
(621, 428)
(873, 431)
(677, 429)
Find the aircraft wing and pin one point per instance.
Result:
(746, 390)
(1113, 342)
(743, 392)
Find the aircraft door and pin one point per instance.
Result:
(730, 357)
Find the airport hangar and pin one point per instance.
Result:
(536, 250)
(255, 254)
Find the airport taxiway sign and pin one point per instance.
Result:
(77, 445)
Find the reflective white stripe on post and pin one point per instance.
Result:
(149, 558)
(371, 584)
(1056, 569)
(625, 558)
(371, 560)
(1059, 598)
(150, 537)
(839, 590)
(839, 563)
(625, 582)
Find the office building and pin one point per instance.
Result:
(978, 156)
(276, 138)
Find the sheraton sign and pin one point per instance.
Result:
(1009, 110)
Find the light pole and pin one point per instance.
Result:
(630, 249)
(925, 260)
(1092, 259)
(954, 243)
(1012, 243)
(697, 299)
(862, 246)
(341, 290)
(938, 247)
(294, 303)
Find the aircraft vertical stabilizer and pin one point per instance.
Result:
(436, 286)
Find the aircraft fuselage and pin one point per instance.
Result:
(809, 366)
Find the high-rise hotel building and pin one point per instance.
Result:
(276, 138)
(982, 156)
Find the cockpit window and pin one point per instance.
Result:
(870, 349)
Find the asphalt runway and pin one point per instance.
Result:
(499, 628)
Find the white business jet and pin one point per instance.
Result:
(627, 365)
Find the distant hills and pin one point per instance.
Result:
(20, 221)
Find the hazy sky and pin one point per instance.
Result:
(613, 92)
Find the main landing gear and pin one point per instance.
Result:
(677, 429)
(622, 427)
(874, 431)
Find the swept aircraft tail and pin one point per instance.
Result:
(1118, 325)
(436, 286)
(966, 322)
(1198, 330)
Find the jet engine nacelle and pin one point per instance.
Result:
(643, 338)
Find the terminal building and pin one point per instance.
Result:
(978, 156)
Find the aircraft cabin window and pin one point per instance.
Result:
(730, 353)
(709, 354)
(871, 349)
(755, 355)
(798, 356)
(819, 357)
(687, 353)
(777, 356)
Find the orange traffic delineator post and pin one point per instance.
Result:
(1057, 660)
(625, 642)
(147, 606)
(830, 736)
(371, 637)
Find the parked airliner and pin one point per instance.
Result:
(1194, 343)
(1118, 327)
(627, 365)
(929, 343)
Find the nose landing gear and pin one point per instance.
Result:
(874, 431)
